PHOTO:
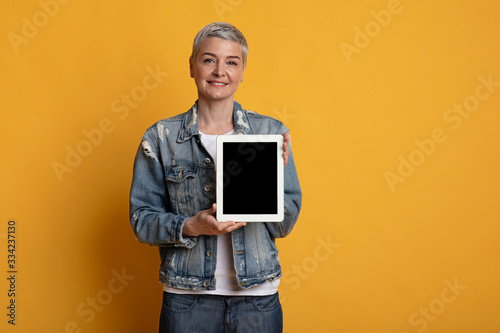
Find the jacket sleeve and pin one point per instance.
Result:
(292, 199)
(150, 209)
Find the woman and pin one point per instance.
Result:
(217, 276)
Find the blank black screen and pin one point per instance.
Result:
(250, 178)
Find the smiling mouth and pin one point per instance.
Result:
(218, 84)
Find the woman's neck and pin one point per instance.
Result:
(215, 117)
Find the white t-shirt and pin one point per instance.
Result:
(225, 274)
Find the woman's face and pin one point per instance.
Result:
(218, 69)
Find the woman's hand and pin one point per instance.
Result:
(205, 223)
(286, 142)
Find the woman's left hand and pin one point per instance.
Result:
(286, 142)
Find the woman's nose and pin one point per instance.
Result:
(219, 69)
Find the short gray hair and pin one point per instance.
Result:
(220, 30)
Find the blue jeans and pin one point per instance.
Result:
(220, 314)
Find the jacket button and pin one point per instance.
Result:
(205, 284)
(207, 188)
(207, 160)
(209, 254)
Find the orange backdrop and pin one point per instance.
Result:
(393, 107)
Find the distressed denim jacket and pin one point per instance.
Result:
(174, 179)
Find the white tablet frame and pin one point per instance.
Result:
(279, 216)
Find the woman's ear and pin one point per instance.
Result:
(242, 74)
(191, 66)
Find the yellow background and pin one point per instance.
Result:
(392, 250)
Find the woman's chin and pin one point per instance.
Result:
(215, 98)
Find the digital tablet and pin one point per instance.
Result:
(250, 178)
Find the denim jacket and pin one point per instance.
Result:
(174, 179)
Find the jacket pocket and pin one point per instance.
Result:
(183, 186)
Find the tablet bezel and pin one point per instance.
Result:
(276, 138)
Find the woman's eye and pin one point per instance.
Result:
(232, 63)
(208, 60)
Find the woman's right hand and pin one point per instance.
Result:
(205, 223)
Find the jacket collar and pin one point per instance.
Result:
(189, 125)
